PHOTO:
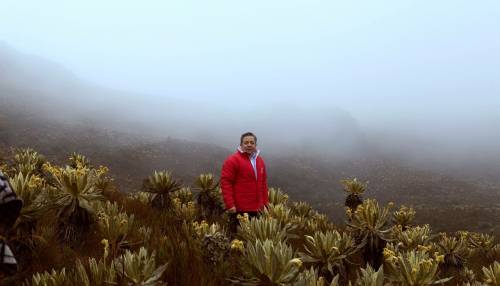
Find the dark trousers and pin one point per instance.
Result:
(234, 222)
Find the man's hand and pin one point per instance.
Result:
(231, 210)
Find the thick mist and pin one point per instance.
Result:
(412, 81)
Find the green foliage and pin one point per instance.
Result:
(53, 278)
(139, 268)
(114, 226)
(280, 212)
(310, 277)
(209, 200)
(300, 226)
(182, 247)
(369, 277)
(481, 241)
(483, 246)
(206, 182)
(183, 212)
(468, 277)
(76, 193)
(369, 216)
(297, 226)
(215, 247)
(78, 161)
(403, 217)
(131, 268)
(370, 225)
(28, 161)
(322, 222)
(269, 263)
(63, 203)
(145, 233)
(277, 197)
(492, 274)
(264, 228)
(184, 195)
(413, 237)
(353, 186)
(203, 228)
(302, 209)
(76, 186)
(161, 185)
(412, 268)
(328, 251)
(30, 188)
(20, 185)
(102, 181)
(355, 189)
(98, 273)
(494, 252)
(454, 249)
(143, 197)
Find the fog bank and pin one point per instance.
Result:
(411, 79)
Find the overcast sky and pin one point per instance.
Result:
(407, 63)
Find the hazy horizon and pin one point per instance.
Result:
(422, 70)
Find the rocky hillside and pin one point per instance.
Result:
(316, 180)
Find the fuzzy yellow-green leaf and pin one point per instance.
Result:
(369, 277)
(353, 186)
(139, 268)
(310, 277)
(261, 229)
(269, 263)
(328, 249)
(412, 268)
(492, 274)
(52, 278)
(413, 237)
(404, 216)
(277, 197)
(114, 224)
(206, 182)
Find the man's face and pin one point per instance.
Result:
(248, 144)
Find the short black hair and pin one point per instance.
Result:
(247, 134)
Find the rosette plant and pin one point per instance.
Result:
(208, 198)
(355, 189)
(413, 268)
(269, 263)
(329, 251)
(371, 228)
(161, 185)
(75, 194)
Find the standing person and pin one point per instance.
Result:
(244, 181)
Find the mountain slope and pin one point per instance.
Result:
(132, 159)
(45, 107)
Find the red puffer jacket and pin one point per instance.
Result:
(239, 186)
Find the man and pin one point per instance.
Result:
(244, 180)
